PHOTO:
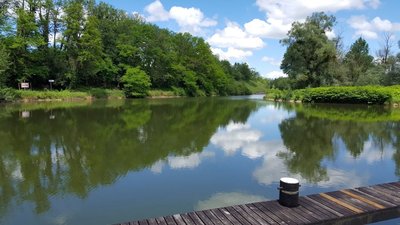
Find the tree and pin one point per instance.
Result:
(309, 53)
(136, 82)
(357, 60)
(4, 64)
(386, 48)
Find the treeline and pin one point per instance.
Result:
(313, 60)
(83, 44)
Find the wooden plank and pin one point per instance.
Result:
(354, 202)
(213, 218)
(229, 216)
(195, 218)
(257, 213)
(270, 207)
(187, 219)
(379, 204)
(386, 192)
(326, 208)
(161, 221)
(178, 219)
(320, 213)
(377, 194)
(204, 218)
(221, 216)
(344, 204)
(311, 215)
(152, 221)
(319, 207)
(266, 213)
(170, 220)
(336, 207)
(250, 215)
(237, 215)
(291, 212)
(143, 222)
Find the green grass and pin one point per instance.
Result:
(162, 93)
(52, 95)
(350, 95)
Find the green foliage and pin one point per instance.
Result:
(355, 95)
(310, 55)
(43, 95)
(4, 64)
(357, 62)
(8, 94)
(136, 82)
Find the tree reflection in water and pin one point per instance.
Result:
(316, 131)
(85, 146)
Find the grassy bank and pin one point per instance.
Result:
(351, 95)
(8, 95)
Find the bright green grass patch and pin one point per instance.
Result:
(348, 95)
(52, 95)
(162, 93)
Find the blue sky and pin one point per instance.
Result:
(250, 30)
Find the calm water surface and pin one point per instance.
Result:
(109, 162)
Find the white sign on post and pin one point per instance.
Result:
(24, 85)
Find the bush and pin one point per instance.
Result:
(353, 95)
(136, 82)
(8, 94)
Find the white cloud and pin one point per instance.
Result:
(371, 29)
(280, 14)
(232, 36)
(188, 162)
(234, 137)
(275, 74)
(271, 61)
(272, 28)
(156, 12)
(227, 199)
(232, 54)
(181, 162)
(189, 19)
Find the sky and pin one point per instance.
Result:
(249, 30)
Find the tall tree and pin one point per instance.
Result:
(357, 60)
(309, 53)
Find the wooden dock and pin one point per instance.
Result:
(351, 206)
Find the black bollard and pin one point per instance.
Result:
(289, 192)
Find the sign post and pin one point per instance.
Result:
(24, 85)
(51, 84)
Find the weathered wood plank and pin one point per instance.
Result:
(336, 207)
(270, 207)
(363, 199)
(326, 208)
(195, 218)
(228, 215)
(365, 207)
(221, 216)
(319, 213)
(380, 201)
(268, 213)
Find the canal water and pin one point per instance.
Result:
(106, 162)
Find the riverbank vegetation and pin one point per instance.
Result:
(313, 60)
(83, 44)
(350, 95)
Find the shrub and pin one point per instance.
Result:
(8, 94)
(136, 82)
(354, 95)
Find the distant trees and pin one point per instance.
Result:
(357, 61)
(309, 53)
(312, 60)
(79, 43)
